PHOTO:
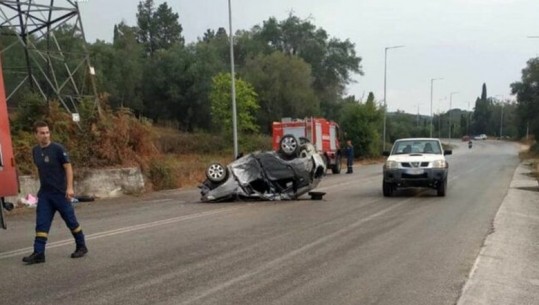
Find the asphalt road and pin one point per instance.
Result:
(353, 247)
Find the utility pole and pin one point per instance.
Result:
(449, 112)
(233, 85)
(385, 101)
(431, 93)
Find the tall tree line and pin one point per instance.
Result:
(527, 93)
(295, 69)
(285, 68)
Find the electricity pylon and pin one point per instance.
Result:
(55, 67)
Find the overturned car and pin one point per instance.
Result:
(294, 170)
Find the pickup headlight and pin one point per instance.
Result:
(439, 164)
(391, 164)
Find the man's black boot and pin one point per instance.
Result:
(79, 252)
(34, 258)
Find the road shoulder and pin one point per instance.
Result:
(507, 268)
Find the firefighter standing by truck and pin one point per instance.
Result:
(349, 153)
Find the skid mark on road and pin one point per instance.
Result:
(123, 230)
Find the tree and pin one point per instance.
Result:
(283, 84)
(527, 92)
(146, 27)
(221, 105)
(482, 113)
(104, 59)
(129, 66)
(170, 85)
(332, 61)
(360, 123)
(158, 29)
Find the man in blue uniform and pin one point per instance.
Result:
(55, 194)
(349, 153)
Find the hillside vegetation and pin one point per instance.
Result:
(108, 139)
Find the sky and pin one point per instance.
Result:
(464, 43)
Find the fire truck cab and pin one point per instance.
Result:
(323, 133)
(9, 183)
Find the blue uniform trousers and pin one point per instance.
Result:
(349, 164)
(48, 204)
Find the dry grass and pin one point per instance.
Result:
(528, 153)
(189, 169)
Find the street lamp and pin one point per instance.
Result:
(449, 112)
(234, 114)
(440, 102)
(385, 103)
(431, 85)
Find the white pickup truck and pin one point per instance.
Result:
(416, 162)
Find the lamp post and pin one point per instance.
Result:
(449, 112)
(440, 102)
(385, 86)
(234, 114)
(431, 85)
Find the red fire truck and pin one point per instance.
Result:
(324, 134)
(9, 184)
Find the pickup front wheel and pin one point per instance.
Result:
(442, 188)
(387, 189)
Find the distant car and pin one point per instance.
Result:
(416, 162)
(294, 170)
(465, 138)
(481, 137)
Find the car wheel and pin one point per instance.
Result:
(442, 187)
(336, 169)
(289, 146)
(387, 189)
(216, 173)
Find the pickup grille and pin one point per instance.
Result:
(415, 164)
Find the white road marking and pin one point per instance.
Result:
(123, 230)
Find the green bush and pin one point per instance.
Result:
(162, 174)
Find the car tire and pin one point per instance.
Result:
(336, 168)
(387, 189)
(442, 187)
(289, 146)
(216, 172)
